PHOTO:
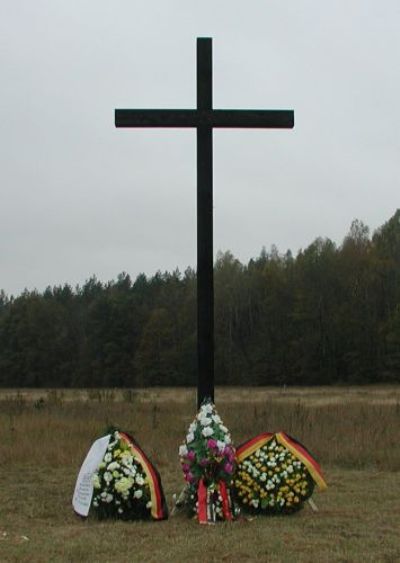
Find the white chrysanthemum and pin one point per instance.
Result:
(123, 485)
(107, 477)
(192, 427)
(112, 466)
(190, 437)
(96, 481)
(228, 439)
(126, 457)
(183, 450)
(223, 428)
(207, 431)
(216, 418)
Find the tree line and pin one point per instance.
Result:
(330, 315)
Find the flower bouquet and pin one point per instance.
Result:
(275, 474)
(122, 481)
(208, 463)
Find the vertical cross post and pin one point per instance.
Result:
(204, 118)
(205, 255)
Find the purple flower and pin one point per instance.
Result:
(185, 467)
(228, 468)
(211, 444)
(189, 477)
(191, 455)
(229, 453)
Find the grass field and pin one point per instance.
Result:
(354, 432)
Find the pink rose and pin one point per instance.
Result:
(203, 462)
(191, 455)
(185, 467)
(211, 444)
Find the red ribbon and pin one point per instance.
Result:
(202, 500)
(225, 501)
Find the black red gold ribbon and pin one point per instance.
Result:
(297, 449)
(159, 510)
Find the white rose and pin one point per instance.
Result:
(220, 445)
(183, 450)
(216, 418)
(206, 409)
(207, 431)
(223, 428)
(205, 421)
(190, 437)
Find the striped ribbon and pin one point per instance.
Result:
(297, 449)
(205, 510)
(159, 510)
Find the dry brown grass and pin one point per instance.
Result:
(355, 433)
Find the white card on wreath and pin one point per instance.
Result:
(83, 493)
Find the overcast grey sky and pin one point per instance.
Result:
(79, 197)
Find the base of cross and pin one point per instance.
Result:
(272, 473)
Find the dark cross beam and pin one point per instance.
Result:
(204, 118)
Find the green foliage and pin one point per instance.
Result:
(329, 315)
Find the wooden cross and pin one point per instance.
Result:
(204, 118)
